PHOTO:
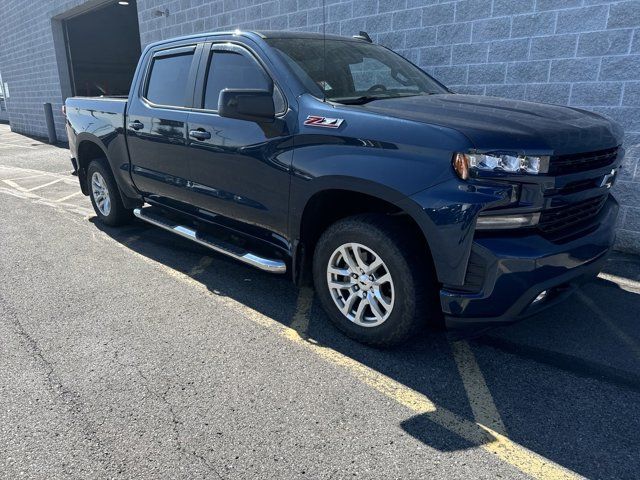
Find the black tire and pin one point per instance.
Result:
(117, 213)
(407, 261)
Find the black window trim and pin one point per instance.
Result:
(236, 47)
(196, 48)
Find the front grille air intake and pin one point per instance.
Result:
(559, 222)
(580, 162)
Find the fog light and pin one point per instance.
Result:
(494, 222)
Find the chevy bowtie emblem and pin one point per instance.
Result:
(317, 121)
(607, 180)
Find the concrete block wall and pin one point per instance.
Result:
(583, 53)
(29, 62)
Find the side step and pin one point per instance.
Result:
(150, 215)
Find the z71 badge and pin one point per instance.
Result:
(316, 121)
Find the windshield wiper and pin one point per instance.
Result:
(370, 98)
(360, 100)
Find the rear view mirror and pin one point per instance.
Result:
(252, 105)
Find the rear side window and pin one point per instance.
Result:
(236, 71)
(168, 80)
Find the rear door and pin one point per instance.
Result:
(239, 168)
(157, 124)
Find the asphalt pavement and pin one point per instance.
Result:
(133, 353)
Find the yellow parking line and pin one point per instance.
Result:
(299, 326)
(483, 436)
(604, 318)
(482, 404)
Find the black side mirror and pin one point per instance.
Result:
(252, 105)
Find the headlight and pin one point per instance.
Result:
(464, 163)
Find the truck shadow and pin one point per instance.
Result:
(566, 382)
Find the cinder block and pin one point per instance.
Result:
(454, 33)
(438, 14)
(432, 56)
(487, 73)
(534, 24)
(405, 19)
(511, 7)
(419, 37)
(388, 5)
(611, 42)
(620, 68)
(548, 93)
(631, 96)
(624, 14)
(470, 53)
(528, 72)
(509, 50)
(491, 29)
(557, 4)
(467, 10)
(451, 75)
(596, 93)
(506, 91)
(574, 70)
(557, 46)
(582, 19)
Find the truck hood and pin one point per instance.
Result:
(500, 124)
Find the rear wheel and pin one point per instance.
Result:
(105, 196)
(374, 279)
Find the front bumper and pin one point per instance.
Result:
(517, 269)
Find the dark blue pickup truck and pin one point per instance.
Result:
(337, 160)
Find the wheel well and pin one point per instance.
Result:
(329, 206)
(87, 151)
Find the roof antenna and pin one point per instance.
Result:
(324, 50)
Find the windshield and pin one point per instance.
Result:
(355, 72)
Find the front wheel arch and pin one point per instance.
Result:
(325, 207)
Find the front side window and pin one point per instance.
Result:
(354, 72)
(233, 70)
(168, 80)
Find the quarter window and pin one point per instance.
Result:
(168, 80)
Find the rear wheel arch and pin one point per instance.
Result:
(88, 150)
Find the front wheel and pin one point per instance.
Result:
(105, 196)
(374, 279)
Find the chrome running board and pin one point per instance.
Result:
(266, 264)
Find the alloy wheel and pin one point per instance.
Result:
(360, 284)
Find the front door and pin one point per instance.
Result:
(157, 125)
(240, 169)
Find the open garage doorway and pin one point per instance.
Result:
(103, 47)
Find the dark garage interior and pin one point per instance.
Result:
(103, 47)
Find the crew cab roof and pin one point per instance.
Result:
(264, 34)
(283, 34)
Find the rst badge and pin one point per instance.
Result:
(317, 121)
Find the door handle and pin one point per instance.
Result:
(199, 134)
(136, 125)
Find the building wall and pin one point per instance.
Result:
(584, 53)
